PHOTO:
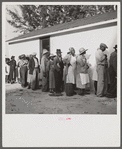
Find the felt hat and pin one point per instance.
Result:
(45, 51)
(82, 50)
(12, 57)
(103, 45)
(115, 47)
(58, 50)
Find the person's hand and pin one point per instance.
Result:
(58, 65)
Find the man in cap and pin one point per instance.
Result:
(112, 91)
(58, 66)
(34, 71)
(45, 75)
(12, 69)
(101, 61)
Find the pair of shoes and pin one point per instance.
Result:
(55, 94)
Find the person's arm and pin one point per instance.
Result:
(55, 64)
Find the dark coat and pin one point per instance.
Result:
(113, 63)
(32, 65)
(57, 61)
(12, 64)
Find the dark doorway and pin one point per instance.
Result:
(44, 44)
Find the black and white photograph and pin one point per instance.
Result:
(61, 59)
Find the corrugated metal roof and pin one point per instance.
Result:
(72, 24)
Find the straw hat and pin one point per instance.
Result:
(82, 50)
(45, 51)
(52, 55)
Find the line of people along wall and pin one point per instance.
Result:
(70, 73)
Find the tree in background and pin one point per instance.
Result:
(35, 17)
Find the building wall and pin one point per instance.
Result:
(26, 48)
(89, 40)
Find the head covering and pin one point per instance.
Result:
(103, 45)
(22, 56)
(45, 51)
(52, 55)
(12, 57)
(58, 50)
(115, 47)
(82, 50)
(70, 49)
(34, 53)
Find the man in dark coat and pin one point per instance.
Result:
(12, 69)
(58, 66)
(23, 70)
(112, 91)
(34, 71)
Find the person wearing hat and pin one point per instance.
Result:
(34, 71)
(51, 73)
(12, 70)
(70, 77)
(23, 62)
(82, 77)
(44, 69)
(7, 70)
(102, 70)
(112, 91)
(58, 66)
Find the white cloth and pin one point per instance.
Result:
(84, 78)
(71, 71)
(7, 69)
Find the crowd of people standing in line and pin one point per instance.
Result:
(67, 74)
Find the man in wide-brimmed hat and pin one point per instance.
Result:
(34, 71)
(58, 66)
(44, 70)
(112, 91)
(102, 70)
(12, 70)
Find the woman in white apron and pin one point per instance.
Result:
(70, 80)
(82, 77)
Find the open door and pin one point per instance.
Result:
(44, 44)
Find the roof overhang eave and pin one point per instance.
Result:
(62, 31)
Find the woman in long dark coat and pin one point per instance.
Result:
(51, 73)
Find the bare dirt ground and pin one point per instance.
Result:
(25, 101)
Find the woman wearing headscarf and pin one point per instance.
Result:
(44, 63)
(82, 77)
(70, 80)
